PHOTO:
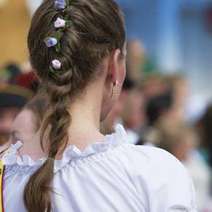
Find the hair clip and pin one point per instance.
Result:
(59, 23)
(50, 41)
(60, 4)
(56, 64)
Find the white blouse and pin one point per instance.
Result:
(111, 176)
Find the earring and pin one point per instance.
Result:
(115, 89)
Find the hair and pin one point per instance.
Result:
(96, 29)
(170, 135)
(157, 105)
(129, 84)
(204, 128)
(172, 80)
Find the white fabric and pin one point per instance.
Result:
(132, 137)
(111, 176)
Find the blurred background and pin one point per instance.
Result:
(167, 96)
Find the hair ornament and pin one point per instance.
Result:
(55, 39)
(50, 41)
(56, 64)
(54, 67)
(60, 4)
(59, 23)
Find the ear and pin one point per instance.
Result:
(116, 67)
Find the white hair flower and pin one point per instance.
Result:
(59, 23)
(56, 64)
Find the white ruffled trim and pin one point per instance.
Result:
(71, 153)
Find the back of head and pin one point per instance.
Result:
(178, 139)
(158, 106)
(68, 40)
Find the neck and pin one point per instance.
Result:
(85, 121)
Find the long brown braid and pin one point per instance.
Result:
(95, 29)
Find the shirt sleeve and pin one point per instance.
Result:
(165, 181)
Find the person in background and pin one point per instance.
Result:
(12, 99)
(9, 73)
(153, 85)
(204, 127)
(182, 141)
(157, 107)
(179, 139)
(15, 91)
(27, 124)
(133, 115)
(180, 88)
(166, 97)
(29, 81)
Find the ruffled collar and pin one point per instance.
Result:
(71, 153)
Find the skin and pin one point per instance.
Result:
(24, 130)
(7, 116)
(114, 116)
(87, 111)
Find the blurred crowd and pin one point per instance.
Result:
(152, 107)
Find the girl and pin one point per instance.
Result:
(26, 124)
(77, 48)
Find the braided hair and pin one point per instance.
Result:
(67, 41)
